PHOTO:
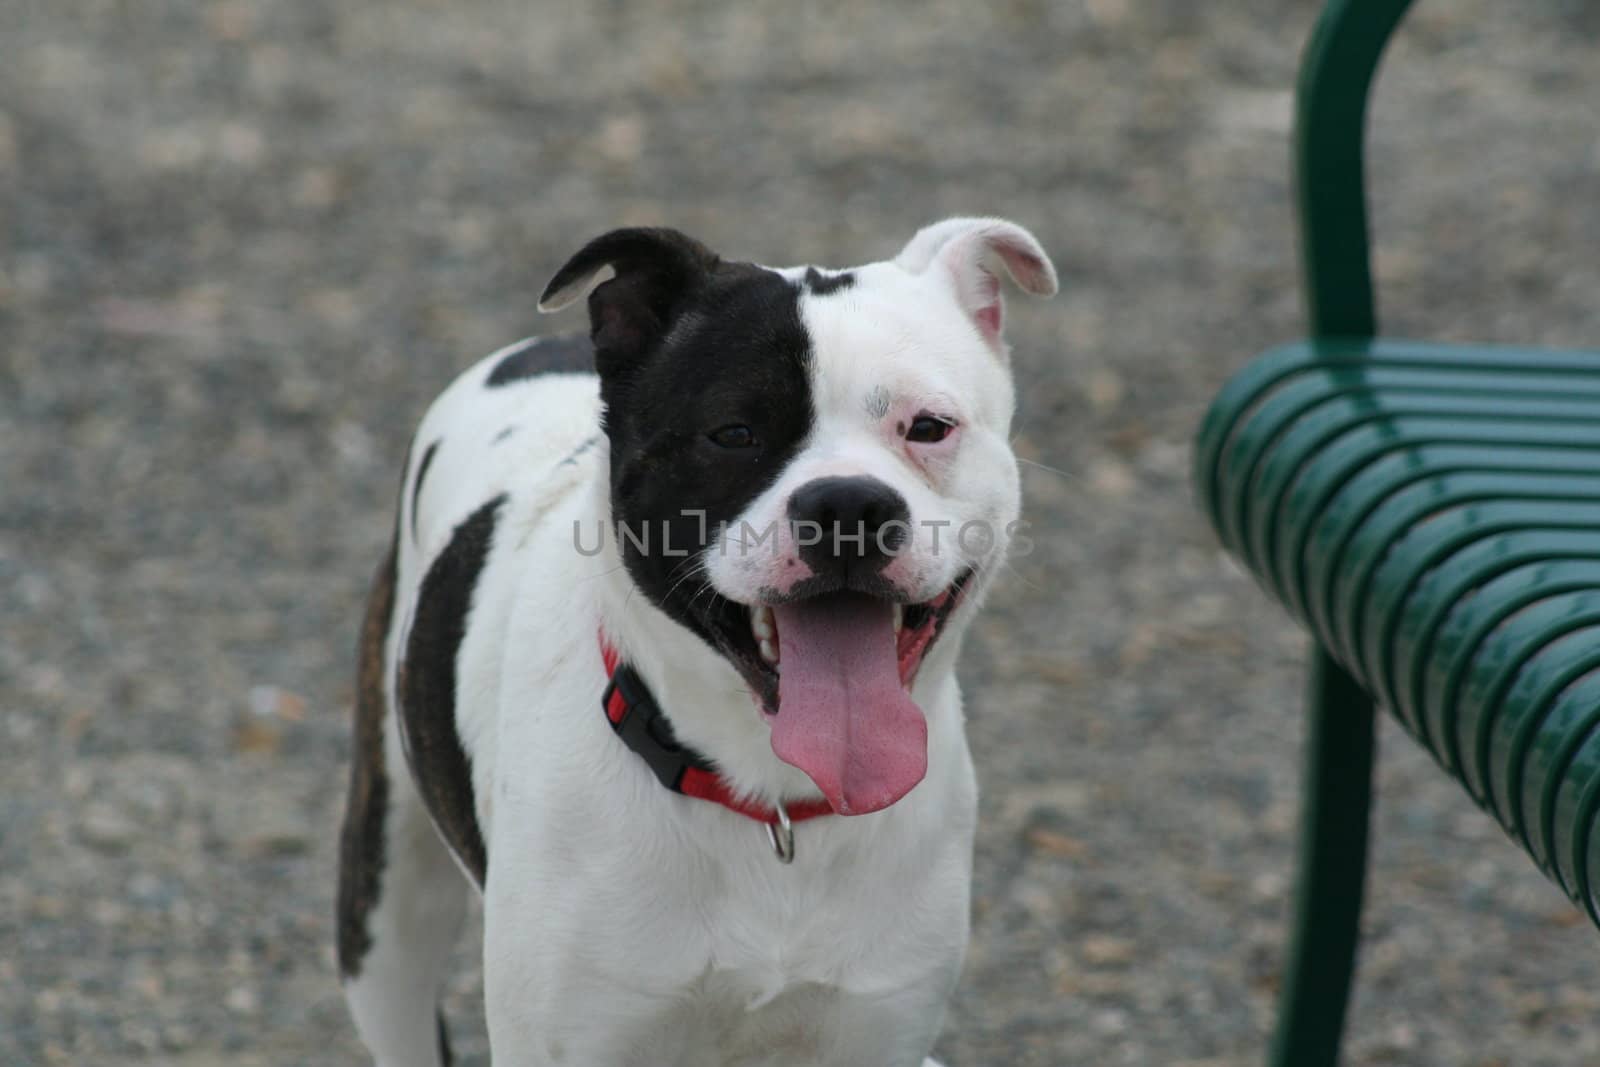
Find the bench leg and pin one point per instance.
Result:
(1333, 866)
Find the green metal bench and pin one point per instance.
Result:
(1431, 513)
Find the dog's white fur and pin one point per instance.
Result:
(628, 926)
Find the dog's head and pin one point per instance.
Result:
(811, 469)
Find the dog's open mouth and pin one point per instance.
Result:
(833, 673)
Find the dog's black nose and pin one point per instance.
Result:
(840, 521)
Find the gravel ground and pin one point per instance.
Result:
(242, 242)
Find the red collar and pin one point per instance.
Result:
(636, 717)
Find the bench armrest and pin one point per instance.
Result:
(1335, 78)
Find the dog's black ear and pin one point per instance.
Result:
(651, 271)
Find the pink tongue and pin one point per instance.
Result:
(843, 717)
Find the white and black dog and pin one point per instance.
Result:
(662, 664)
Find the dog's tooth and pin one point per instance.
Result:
(769, 651)
(899, 617)
(761, 622)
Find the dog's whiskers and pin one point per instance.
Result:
(690, 568)
(604, 573)
(1068, 475)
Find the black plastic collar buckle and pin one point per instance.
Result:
(646, 730)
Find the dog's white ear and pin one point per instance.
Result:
(635, 280)
(972, 254)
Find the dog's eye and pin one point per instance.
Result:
(927, 429)
(734, 436)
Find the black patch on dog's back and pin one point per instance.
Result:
(361, 839)
(428, 686)
(566, 354)
(822, 284)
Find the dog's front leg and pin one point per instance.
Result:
(551, 993)
(540, 1018)
(517, 980)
